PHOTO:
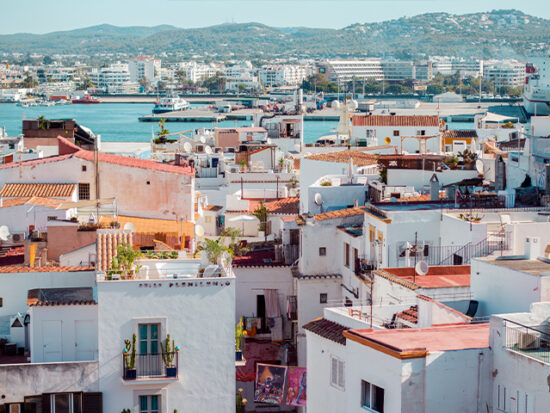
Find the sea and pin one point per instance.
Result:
(118, 122)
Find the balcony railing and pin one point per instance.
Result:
(151, 366)
(528, 340)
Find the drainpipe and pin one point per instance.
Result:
(478, 397)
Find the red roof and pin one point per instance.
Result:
(438, 276)
(396, 120)
(410, 314)
(51, 190)
(284, 206)
(49, 268)
(68, 150)
(327, 329)
(340, 213)
(440, 338)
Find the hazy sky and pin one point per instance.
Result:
(42, 16)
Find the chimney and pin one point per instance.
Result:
(532, 248)
(434, 188)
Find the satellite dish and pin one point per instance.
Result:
(318, 198)
(208, 150)
(479, 166)
(387, 140)
(421, 268)
(129, 227)
(187, 147)
(4, 233)
(202, 139)
(199, 230)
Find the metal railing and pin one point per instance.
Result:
(151, 366)
(530, 341)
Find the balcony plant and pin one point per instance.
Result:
(125, 258)
(468, 157)
(239, 336)
(169, 351)
(130, 372)
(241, 402)
(215, 250)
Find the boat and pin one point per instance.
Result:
(170, 103)
(536, 92)
(87, 99)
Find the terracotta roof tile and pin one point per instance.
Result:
(35, 200)
(460, 133)
(438, 276)
(327, 329)
(56, 303)
(395, 120)
(359, 158)
(410, 314)
(283, 206)
(341, 213)
(214, 208)
(38, 161)
(152, 226)
(14, 190)
(50, 268)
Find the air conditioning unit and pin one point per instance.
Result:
(18, 237)
(234, 170)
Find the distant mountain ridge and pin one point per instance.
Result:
(499, 33)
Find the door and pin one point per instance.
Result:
(52, 340)
(85, 340)
(149, 358)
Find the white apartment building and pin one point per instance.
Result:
(346, 70)
(110, 78)
(144, 67)
(398, 69)
(282, 75)
(55, 74)
(449, 66)
(197, 72)
(505, 72)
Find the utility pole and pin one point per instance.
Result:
(415, 247)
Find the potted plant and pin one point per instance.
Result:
(243, 165)
(468, 157)
(130, 373)
(239, 335)
(451, 161)
(126, 255)
(169, 351)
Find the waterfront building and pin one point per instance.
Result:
(449, 66)
(54, 73)
(113, 79)
(398, 70)
(197, 72)
(504, 73)
(346, 70)
(282, 75)
(144, 67)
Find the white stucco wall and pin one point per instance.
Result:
(15, 286)
(81, 257)
(68, 316)
(322, 397)
(19, 218)
(421, 179)
(201, 320)
(502, 290)
(20, 380)
(410, 145)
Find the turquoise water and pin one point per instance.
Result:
(119, 121)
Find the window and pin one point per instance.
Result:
(323, 298)
(84, 168)
(149, 338)
(371, 133)
(83, 191)
(1, 302)
(322, 251)
(337, 373)
(372, 397)
(148, 182)
(66, 403)
(395, 133)
(52, 218)
(149, 404)
(346, 254)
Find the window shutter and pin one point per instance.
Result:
(341, 380)
(334, 372)
(92, 403)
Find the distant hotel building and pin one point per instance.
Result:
(505, 73)
(449, 66)
(375, 69)
(283, 75)
(144, 67)
(113, 79)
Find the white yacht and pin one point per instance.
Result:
(170, 104)
(536, 92)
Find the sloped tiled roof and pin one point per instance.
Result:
(460, 133)
(151, 225)
(50, 268)
(410, 314)
(69, 302)
(341, 213)
(283, 206)
(359, 158)
(396, 120)
(14, 190)
(327, 329)
(35, 200)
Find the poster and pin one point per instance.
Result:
(296, 392)
(270, 383)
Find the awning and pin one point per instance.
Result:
(87, 203)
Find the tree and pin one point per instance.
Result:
(47, 60)
(261, 213)
(29, 82)
(233, 236)
(241, 87)
(163, 132)
(144, 83)
(435, 89)
(85, 83)
(214, 250)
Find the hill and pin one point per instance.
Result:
(499, 33)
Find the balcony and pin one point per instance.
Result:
(529, 341)
(151, 368)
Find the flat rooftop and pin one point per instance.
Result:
(437, 277)
(535, 267)
(411, 343)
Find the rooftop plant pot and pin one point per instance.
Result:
(171, 371)
(130, 374)
(238, 355)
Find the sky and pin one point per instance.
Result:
(43, 16)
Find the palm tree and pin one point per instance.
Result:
(214, 250)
